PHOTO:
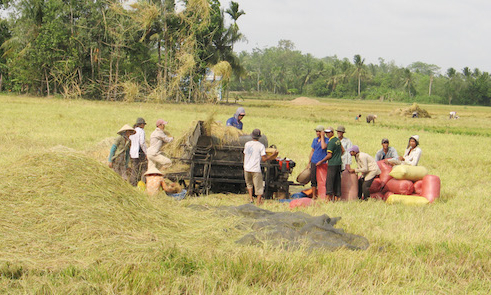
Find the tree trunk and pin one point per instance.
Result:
(431, 83)
(159, 63)
(47, 81)
(258, 81)
(359, 84)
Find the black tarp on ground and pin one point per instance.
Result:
(289, 230)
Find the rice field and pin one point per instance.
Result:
(69, 225)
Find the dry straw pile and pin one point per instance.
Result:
(63, 208)
(408, 112)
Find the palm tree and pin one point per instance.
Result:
(235, 13)
(408, 81)
(451, 73)
(359, 64)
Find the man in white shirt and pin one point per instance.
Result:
(138, 152)
(254, 153)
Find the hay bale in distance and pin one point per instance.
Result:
(408, 112)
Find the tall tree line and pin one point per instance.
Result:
(102, 49)
(283, 70)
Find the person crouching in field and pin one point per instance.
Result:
(368, 169)
(119, 156)
(254, 153)
(156, 183)
(371, 118)
(386, 152)
(411, 155)
(334, 152)
(138, 152)
(157, 139)
(317, 161)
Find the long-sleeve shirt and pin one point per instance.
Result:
(137, 143)
(391, 153)
(120, 148)
(157, 140)
(346, 157)
(366, 166)
(411, 156)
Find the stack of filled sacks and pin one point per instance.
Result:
(405, 184)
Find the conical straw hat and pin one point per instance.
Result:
(125, 128)
(153, 170)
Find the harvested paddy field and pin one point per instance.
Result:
(69, 225)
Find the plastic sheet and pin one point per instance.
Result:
(302, 202)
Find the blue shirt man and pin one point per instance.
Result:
(236, 120)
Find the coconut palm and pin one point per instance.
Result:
(235, 13)
(360, 70)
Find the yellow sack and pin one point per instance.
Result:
(407, 200)
(270, 151)
(141, 185)
(408, 172)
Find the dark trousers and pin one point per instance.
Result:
(313, 174)
(333, 182)
(364, 187)
(138, 167)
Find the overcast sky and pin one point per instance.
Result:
(447, 33)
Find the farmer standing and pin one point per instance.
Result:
(317, 162)
(346, 143)
(368, 169)
(236, 120)
(119, 156)
(254, 153)
(138, 152)
(157, 139)
(334, 152)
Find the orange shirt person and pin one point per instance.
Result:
(156, 183)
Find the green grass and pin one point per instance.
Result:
(69, 225)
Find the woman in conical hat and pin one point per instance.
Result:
(119, 155)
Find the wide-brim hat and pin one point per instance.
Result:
(153, 170)
(319, 128)
(125, 128)
(140, 121)
(256, 134)
(329, 129)
(341, 129)
(304, 176)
